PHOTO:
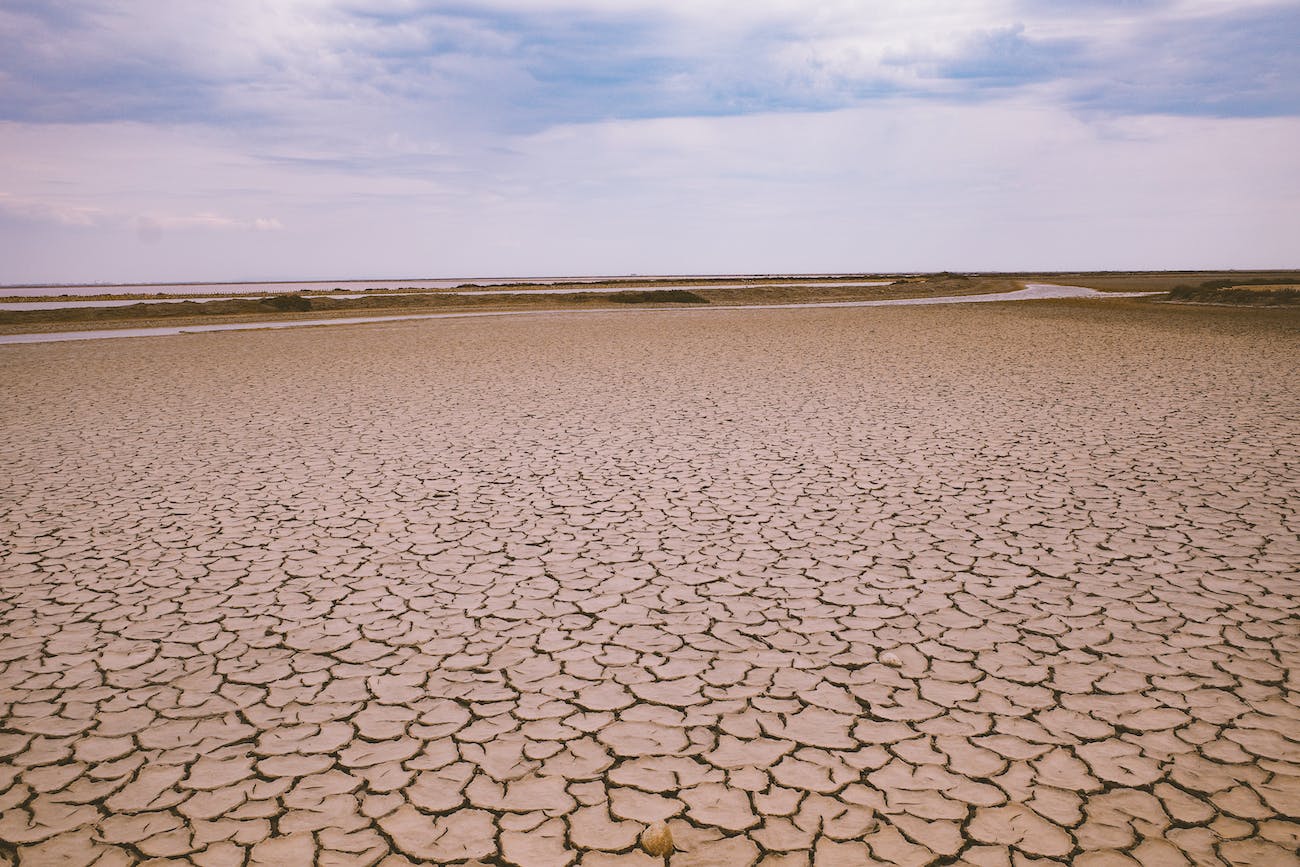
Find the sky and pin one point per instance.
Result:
(170, 140)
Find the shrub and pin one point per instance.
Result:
(1217, 295)
(286, 303)
(675, 296)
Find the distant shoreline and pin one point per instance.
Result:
(183, 287)
(42, 289)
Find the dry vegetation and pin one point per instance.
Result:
(1262, 292)
(412, 301)
(1252, 288)
(1162, 281)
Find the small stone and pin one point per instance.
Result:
(657, 840)
(891, 659)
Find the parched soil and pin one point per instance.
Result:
(927, 585)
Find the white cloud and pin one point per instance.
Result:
(904, 185)
(1015, 184)
(73, 215)
(60, 213)
(253, 140)
(217, 222)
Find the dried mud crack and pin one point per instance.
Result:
(983, 585)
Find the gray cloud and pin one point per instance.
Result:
(516, 136)
(518, 69)
(1240, 64)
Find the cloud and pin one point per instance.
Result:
(212, 221)
(512, 66)
(574, 135)
(900, 184)
(1006, 56)
(1242, 63)
(33, 210)
(72, 215)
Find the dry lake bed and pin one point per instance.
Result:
(989, 584)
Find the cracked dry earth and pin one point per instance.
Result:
(1006, 584)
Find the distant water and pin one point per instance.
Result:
(66, 304)
(278, 288)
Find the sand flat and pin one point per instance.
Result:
(835, 586)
